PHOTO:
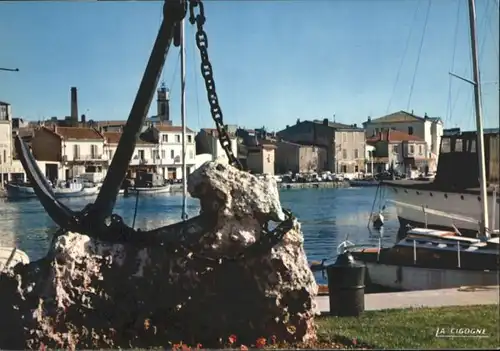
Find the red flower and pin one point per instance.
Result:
(198, 346)
(42, 347)
(243, 348)
(260, 343)
(176, 347)
(184, 347)
(354, 341)
(232, 339)
(273, 339)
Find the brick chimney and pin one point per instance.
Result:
(74, 106)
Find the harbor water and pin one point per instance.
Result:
(327, 215)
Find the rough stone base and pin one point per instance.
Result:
(91, 294)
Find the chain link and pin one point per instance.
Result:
(207, 73)
(268, 238)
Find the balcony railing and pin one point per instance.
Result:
(91, 157)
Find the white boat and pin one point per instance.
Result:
(10, 256)
(150, 190)
(429, 259)
(465, 184)
(67, 189)
(417, 206)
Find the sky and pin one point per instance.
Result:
(274, 61)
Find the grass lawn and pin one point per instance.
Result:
(412, 328)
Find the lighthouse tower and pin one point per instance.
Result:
(163, 107)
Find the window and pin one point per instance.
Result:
(412, 149)
(190, 138)
(410, 130)
(445, 145)
(458, 145)
(4, 156)
(76, 152)
(162, 153)
(420, 150)
(356, 153)
(177, 138)
(395, 149)
(356, 168)
(164, 138)
(344, 154)
(172, 154)
(191, 154)
(472, 145)
(93, 151)
(344, 169)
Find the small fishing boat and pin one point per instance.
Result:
(10, 256)
(429, 259)
(149, 183)
(73, 188)
(151, 190)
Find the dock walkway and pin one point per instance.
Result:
(464, 296)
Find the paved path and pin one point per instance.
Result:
(425, 298)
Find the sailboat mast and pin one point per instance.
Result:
(479, 119)
(183, 120)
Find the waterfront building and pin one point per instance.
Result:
(144, 157)
(344, 144)
(168, 153)
(5, 141)
(399, 151)
(430, 129)
(207, 142)
(78, 150)
(297, 158)
(261, 157)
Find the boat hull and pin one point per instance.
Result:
(408, 278)
(150, 190)
(24, 192)
(442, 209)
(18, 256)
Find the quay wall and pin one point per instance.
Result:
(176, 188)
(313, 185)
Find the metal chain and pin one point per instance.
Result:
(268, 238)
(207, 73)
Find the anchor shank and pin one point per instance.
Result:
(116, 174)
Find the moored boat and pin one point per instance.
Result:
(151, 190)
(65, 189)
(10, 256)
(148, 183)
(453, 197)
(431, 259)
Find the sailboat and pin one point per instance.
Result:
(455, 196)
(437, 259)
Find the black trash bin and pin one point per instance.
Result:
(346, 286)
